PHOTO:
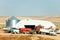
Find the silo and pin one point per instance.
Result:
(11, 22)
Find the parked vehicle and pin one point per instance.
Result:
(14, 30)
(20, 30)
(25, 30)
(57, 30)
(7, 30)
(45, 31)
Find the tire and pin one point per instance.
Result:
(13, 32)
(9, 31)
(33, 32)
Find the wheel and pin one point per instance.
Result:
(14, 32)
(37, 32)
(33, 32)
(9, 31)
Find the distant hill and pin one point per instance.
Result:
(54, 19)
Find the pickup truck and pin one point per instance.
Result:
(14, 30)
(45, 31)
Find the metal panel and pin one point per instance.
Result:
(11, 22)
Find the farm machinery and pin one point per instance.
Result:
(25, 30)
(20, 30)
(31, 30)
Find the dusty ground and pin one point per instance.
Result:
(9, 36)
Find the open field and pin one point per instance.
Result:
(9, 36)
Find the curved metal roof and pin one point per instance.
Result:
(13, 18)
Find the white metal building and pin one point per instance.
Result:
(46, 24)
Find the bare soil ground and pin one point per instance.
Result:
(9, 36)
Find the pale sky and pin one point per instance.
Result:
(29, 7)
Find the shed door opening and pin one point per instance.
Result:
(30, 26)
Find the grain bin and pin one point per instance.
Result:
(11, 22)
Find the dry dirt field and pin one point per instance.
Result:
(9, 36)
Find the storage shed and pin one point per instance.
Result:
(23, 23)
